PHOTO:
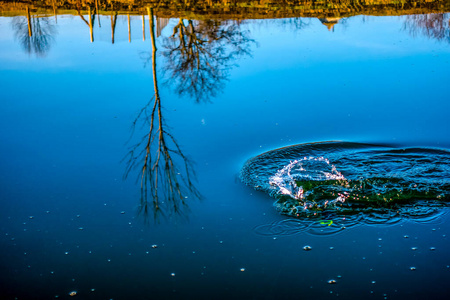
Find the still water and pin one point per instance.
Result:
(121, 178)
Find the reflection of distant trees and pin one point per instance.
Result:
(165, 173)
(34, 34)
(199, 55)
(436, 26)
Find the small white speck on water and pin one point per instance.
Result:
(242, 269)
(331, 248)
(92, 290)
(81, 228)
(373, 282)
(154, 246)
(412, 268)
(307, 248)
(432, 248)
(73, 293)
(331, 281)
(413, 248)
(66, 253)
(109, 260)
(122, 212)
(406, 236)
(172, 274)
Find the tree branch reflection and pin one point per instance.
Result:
(199, 55)
(166, 174)
(435, 26)
(35, 34)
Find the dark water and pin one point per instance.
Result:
(120, 169)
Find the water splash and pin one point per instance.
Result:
(336, 180)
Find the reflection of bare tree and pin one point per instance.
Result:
(157, 156)
(200, 54)
(436, 26)
(34, 34)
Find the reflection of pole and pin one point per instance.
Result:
(143, 28)
(30, 33)
(54, 12)
(113, 26)
(98, 13)
(91, 31)
(129, 29)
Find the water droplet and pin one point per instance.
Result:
(307, 248)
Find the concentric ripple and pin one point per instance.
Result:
(332, 180)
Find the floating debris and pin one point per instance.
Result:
(154, 246)
(413, 248)
(73, 293)
(122, 212)
(172, 274)
(331, 281)
(242, 269)
(412, 268)
(307, 248)
(406, 236)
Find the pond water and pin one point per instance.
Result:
(121, 155)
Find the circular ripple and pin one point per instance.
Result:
(373, 184)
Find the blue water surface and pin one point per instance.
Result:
(69, 220)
